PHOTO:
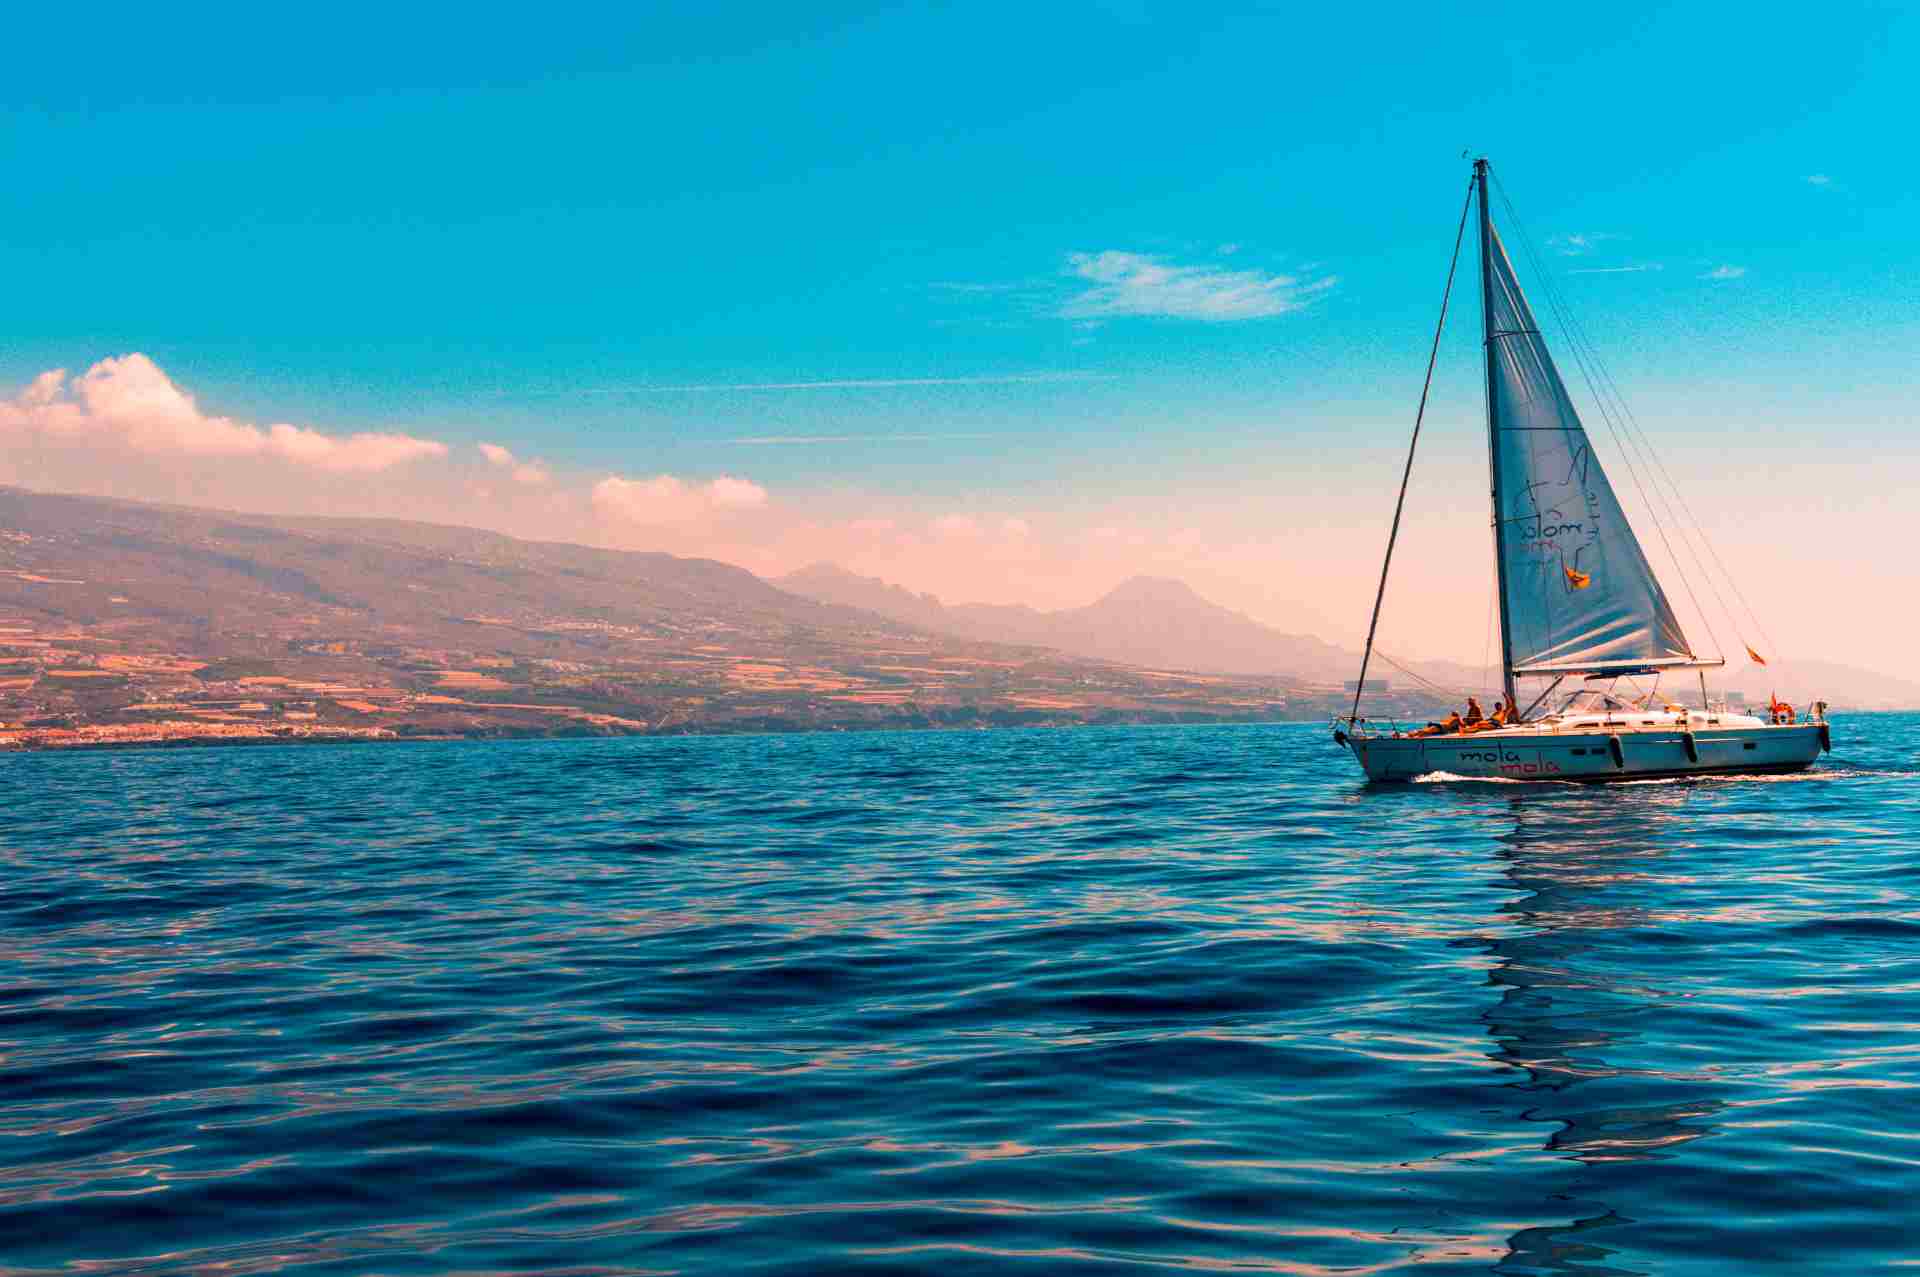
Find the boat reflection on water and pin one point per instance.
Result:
(1580, 1006)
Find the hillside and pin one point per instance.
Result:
(126, 621)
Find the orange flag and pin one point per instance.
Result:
(1757, 658)
(1577, 579)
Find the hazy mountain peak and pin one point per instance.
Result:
(1154, 591)
(1145, 620)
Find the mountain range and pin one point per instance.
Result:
(1147, 620)
(123, 622)
(1162, 623)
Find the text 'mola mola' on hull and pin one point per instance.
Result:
(1578, 599)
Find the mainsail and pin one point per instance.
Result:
(1579, 593)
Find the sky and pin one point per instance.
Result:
(1004, 303)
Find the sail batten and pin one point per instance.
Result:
(1577, 590)
(1609, 668)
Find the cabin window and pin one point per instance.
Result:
(1747, 745)
(1579, 751)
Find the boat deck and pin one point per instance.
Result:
(1593, 746)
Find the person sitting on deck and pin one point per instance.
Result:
(1446, 727)
(1474, 713)
(1501, 717)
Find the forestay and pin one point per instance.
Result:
(1580, 594)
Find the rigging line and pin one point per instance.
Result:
(1586, 358)
(1561, 314)
(1428, 683)
(1640, 456)
(1699, 530)
(1486, 648)
(1627, 431)
(1619, 416)
(1406, 475)
(1633, 438)
(1692, 535)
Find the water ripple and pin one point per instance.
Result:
(1094, 1001)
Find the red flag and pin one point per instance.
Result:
(1757, 658)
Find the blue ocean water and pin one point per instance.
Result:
(1102, 1000)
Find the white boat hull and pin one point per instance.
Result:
(1587, 755)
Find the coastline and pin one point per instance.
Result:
(94, 741)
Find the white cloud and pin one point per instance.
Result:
(729, 493)
(1580, 243)
(1819, 179)
(44, 390)
(522, 471)
(1725, 272)
(1135, 284)
(354, 454)
(131, 405)
(665, 499)
(1616, 270)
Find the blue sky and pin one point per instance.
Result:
(1133, 255)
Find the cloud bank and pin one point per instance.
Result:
(124, 428)
(130, 404)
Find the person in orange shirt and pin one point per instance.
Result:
(1501, 717)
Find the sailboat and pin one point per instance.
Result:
(1578, 600)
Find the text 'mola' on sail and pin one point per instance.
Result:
(1579, 595)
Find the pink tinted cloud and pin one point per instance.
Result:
(130, 404)
(502, 458)
(667, 499)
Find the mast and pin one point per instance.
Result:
(1493, 432)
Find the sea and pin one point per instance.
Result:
(1099, 1000)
